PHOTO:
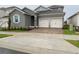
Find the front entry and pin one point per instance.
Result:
(32, 20)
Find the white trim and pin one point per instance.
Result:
(14, 18)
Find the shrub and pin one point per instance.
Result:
(14, 29)
(4, 29)
(66, 27)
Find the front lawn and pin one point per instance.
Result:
(5, 35)
(74, 42)
(67, 31)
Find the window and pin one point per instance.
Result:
(16, 18)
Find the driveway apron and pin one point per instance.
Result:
(38, 43)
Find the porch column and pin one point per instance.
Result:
(35, 21)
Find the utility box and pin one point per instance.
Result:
(71, 28)
(77, 28)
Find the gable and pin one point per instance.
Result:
(28, 11)
(41, 8)
(15, 12)
(19, 11)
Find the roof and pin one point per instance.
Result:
(53, 9)
(19, 11)
(6, 11)
(41, 8)
(56, 6)
(27, 10)
(8, 8)
(73, 15)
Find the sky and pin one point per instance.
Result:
(68, 9)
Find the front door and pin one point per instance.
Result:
(32, 20)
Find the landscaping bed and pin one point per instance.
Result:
(15, 29)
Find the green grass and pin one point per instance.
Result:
(4, 35)
(66, 31)
(74, 42)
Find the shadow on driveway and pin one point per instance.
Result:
(9, 51)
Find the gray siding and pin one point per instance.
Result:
(27, 20)
(73, 20)
(23, 20)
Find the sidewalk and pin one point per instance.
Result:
(71, 37)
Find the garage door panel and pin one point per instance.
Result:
(43, 22)
(56, 23)
(50, 22)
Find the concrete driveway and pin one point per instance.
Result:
(38, 43)
(47, 30)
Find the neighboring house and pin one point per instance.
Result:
(4, 15)
(74, 20)
(41, 17)
(65, 22)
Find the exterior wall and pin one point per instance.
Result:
(22, 19)
(27, 20)
(2, 13)
(68, 21)
(5, 12)
(73, 20)
(78, 20)
(4, 22)
(4, 19)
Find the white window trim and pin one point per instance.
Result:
(14, 18)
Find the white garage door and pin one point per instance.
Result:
(43, 22)
(50, 22)
(56, 23)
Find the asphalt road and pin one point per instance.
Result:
(8, 51)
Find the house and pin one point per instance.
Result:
(41, 17)
(74, 20)
(51, 17)
(4, 15)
